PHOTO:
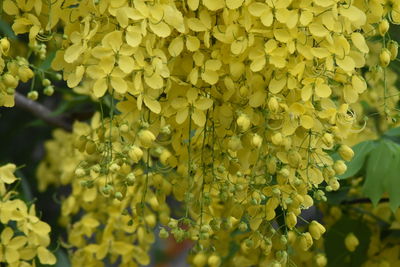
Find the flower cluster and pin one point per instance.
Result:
(230, 106)
(24, 237)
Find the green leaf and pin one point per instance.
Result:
(46, 64)
(6, 29)
(391, 183)
(377, 169)
(337, 197)
(335, 249)
(361, 152)
(393, 132)
(62, 259)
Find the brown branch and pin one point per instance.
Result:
(41, 112)
(362, 201)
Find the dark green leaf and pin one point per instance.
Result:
(62, 259)
(47, 62)
(391, 183)
(380, 159)
(335, 248)
(361, 152)
(6, 29)
(337, 197)
(393, 132)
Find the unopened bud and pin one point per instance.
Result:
(79, 172)
(214, 261)
(291, 220)
(316, 230)
(33, 95)
(340, 167)
(243, 122)
(383, 27)
(305, 241)
(273, 105)
(384, 57)
(146, 138)
(351, 242)
(135, 153)
(48, 90)
(277, 139)
(256, 141)
(163, 233)
(346, 152)
(393, 47)
(4, 45)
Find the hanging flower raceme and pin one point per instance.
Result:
(231, 107)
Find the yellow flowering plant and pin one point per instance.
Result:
(219, 122)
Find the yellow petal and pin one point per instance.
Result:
(107, 64)
(126, 63)
(179, 103)
(318, 30)
(95, 72)
(10, 7)
(192, 43)
(45, 256)
(73, 52)
(359, 42)
(239, 46)
(11, 255)
(41, 228)
(6, 235)
(152, 104)
(161, 29)
(176, 46)
(118, 84)
(75, 78)
(324, 3)
(276, 85)
(100, 87)
(234, 4)
(193, 4)
(257, 99)
(257, 64)
(181, 115)
(210, 76)
(101, 51)
(133, 38)
(350, 95)
(203, 103)
(198, 117)
(323, 90)
(306, 92)
(214, 5)
(196, 25)
(155, 81)
(306, 17)
(347, 64)
(320, 52)
(267, 18)
(282, 35)
(306, 121)
(7, 173)
(257, 8)
(18, 242)
(113, 40)
(359, 84)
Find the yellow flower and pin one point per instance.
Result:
(10, 246)
(192, 104)
(7, 173)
